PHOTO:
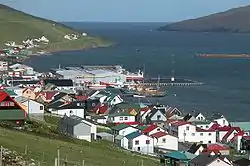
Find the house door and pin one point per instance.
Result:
(138, 149)
(92, 136)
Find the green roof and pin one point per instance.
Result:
(141, 127)
(133, 135)
(120, 127)
(180, 155)
(12, 114)
(10, 92)
(120, 114)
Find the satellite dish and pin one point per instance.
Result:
(172, 79)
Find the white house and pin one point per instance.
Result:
(78, 128)
(121, 117)
(209, 160)
(203, 124)
(164, 141)
(113, 99)
(73, 108)
(123, 129)
(121, 141)
(187, 132)
(156, 115)
(33, 108)
(220, 119)
(235, 142)
(151, 129)
(140, 143)
(230, 134)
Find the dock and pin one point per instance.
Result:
(167, 81)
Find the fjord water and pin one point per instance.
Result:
(227, 81)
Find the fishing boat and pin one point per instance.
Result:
(152, 91)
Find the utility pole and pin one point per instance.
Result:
(1, 157)
(83, 163)
(58, 157)
(56, 161)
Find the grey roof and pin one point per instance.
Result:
(59, 82)
(203, 160)
(21, 99)
(104, 134)
(119, 137)
(242, 162)
(73, 120)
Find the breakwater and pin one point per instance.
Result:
(168, 81)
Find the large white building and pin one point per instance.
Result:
(187, 132)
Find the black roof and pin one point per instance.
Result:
(19, 82)
(242, 162)
(59, 82)
(195, 147)
(73, 105)
(56, 104)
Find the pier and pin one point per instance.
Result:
(170, 82)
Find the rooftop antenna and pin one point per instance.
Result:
(173, 72)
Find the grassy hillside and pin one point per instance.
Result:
(44, 150)
(18, 26)
(234, 20)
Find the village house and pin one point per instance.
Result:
(121, 117)
(61, 84)
(195, 116)
(203, 124)
(3, 65)
(123, 129)
(173, 111)
(180, 158)
(29, 93)
(144, 113)
(121, 141)
(208, 160)
(230, 134)
(197, 148)
(10, 110)
(140, 143)
(32, 107)
(78, 128)
(220, 119)
(46, 96)
(187, 132)
(157, 116)
(72, 108)
(164, 141)
(151, 129)
(235, 142)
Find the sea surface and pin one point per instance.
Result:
(227, 81)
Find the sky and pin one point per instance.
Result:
(123, 10)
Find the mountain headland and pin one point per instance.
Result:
(18, 28)
(232, 21)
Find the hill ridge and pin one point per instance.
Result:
(232, 20)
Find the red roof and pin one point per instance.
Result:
(216, 147)
(159, 134)
(4, 95)
(203, 130)
(145, 109)
(129, 123)
(241, 133)
(149, 128)
(180, 123)
(48, 95)
(81, 98)
(217, 127)
(246, 137)
(232, 129)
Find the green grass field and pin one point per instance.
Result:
(44, 150)
(18, 26)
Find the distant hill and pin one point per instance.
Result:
(18, 26)
(234, 20)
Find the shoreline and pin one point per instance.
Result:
(223, 55)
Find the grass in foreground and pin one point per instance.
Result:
(44, 150)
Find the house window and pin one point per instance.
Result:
(7, 103)
(41, 107)
(201, 126)
(164, 140)
(201, 142)
(147, 141)
(138, 149)
(224, 121)
(187, 128)
(209, 134)
(193, 134)
(209, 142)
(125, 118)
(121, 118)
(137, 142)
(201, 134)
(158, 129)
(185, 134)
(206, 126)
(158, 117)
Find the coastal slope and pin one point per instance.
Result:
(233, 20)
(18, 26)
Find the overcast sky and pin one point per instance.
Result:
(123, 10)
